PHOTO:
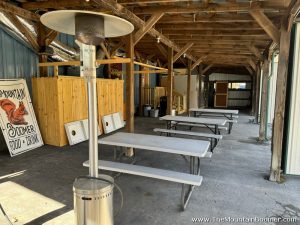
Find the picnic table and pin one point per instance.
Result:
(194, 121)
(228, 113)
(195, 149)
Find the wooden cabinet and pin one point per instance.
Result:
(221, 95)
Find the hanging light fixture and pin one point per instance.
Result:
(93, 193)
(158, 40)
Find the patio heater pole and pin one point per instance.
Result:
(89, 72)
(93, 194)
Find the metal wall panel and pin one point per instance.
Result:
(67, 40)
(16, 59)
(228, 77)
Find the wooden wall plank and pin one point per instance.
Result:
(59, 100)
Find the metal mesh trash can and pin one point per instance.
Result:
(93, 201)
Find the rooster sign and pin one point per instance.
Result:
(17, 118)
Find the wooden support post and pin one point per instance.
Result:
(257, 91)
(41, 39)
(281, 85)
(253, 87)
(189, 84)
(200, 91)
(130, 90)
(170, 82)
(141, 92)
(55, 68)
(263, 104)
(147, 78)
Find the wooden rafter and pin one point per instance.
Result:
(198, 62)
(252, 64)
(203, 7)
(256, 52)
(123, 12)
(148, 25)
(266, 24)
(249, 70)
(24, 30)
(207, 68)
(104, 49)
(162, 50)
(182, 51)
(10, 8)
(51, 36)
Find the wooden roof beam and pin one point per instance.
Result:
(123, 12)
(10, 8)
(104, 49)
(56, 4)
(249, 70)
(252, 64)
(207, 68)
(197, 33)
(148, 25)
(292, 12)
(52, 34)
(256, 52)
(214, 26)
(24, 30)
(131, 2)
(266, 24)
(195, 38)
(203, 7)
(203, 19)
(200, 60)
(182, 51)
(162, 50)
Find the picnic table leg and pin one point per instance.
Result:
(217, 129)
(230, 124)
(185, 196)
(230, 127)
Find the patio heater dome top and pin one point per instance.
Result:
(89, 27)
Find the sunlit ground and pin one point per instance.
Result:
(23, 205)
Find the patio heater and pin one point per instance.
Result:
(93, 194)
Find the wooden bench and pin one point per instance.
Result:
(212, 137)
(195, 149)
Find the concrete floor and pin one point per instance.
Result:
(36, 187)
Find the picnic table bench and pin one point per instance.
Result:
(213, 124)
(211, 137)
(195, 149)
(229, 114)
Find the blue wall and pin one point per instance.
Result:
(17, 60)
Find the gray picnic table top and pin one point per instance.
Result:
(216, 111)
(194, 120)
(197, 148)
